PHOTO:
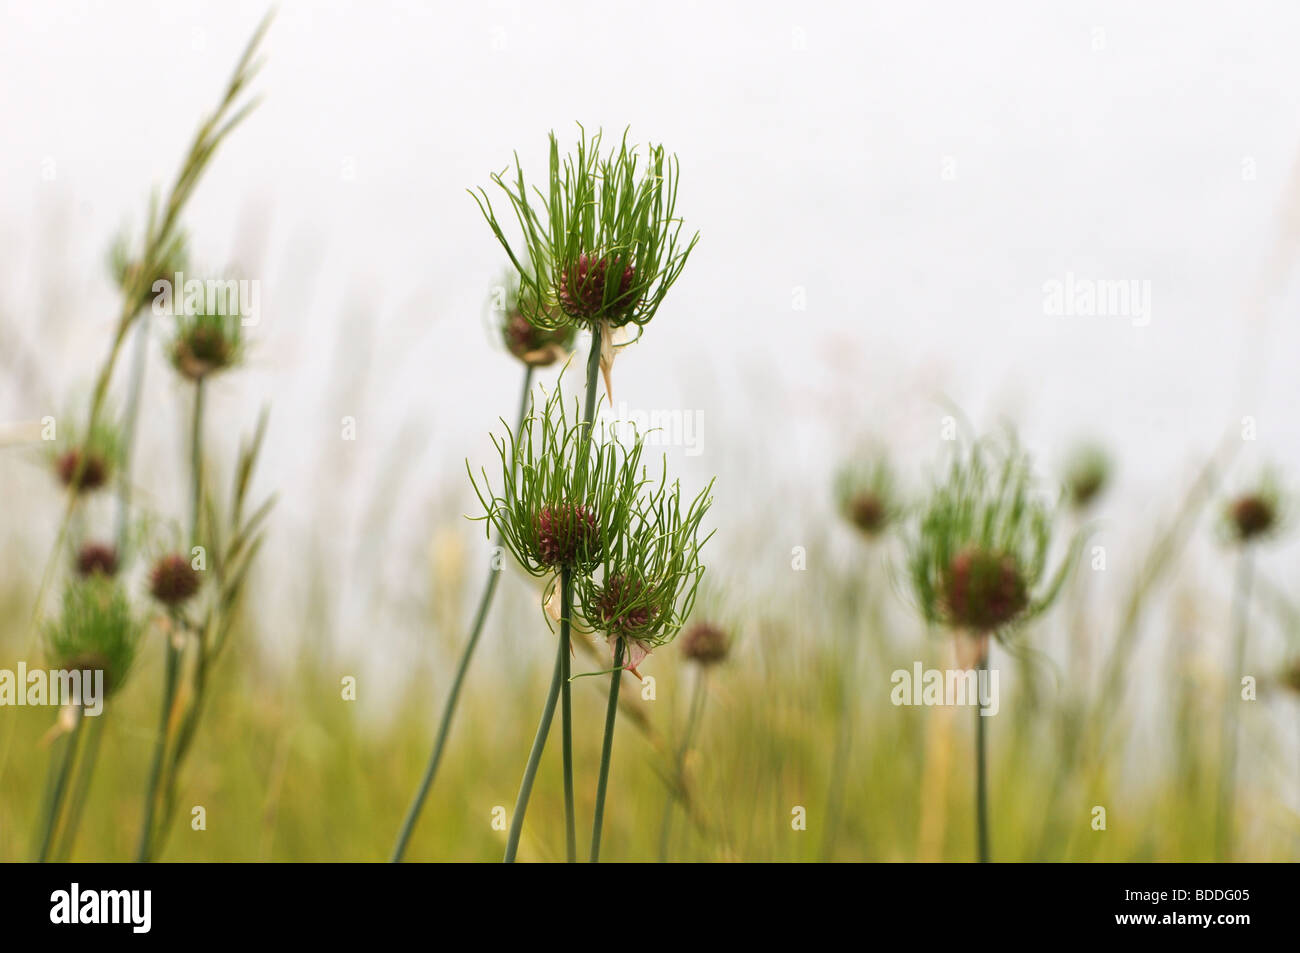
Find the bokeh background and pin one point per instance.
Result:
(882, 192)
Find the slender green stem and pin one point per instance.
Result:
(129, 420)
(81, 787)
(173, 664)
(534, 758)
(566, 716)
(172, 668)
(449, 708)
(196, 462)
(1225, 821)
(981, 764)
(679, 762)
(58, 791)
(847, 664)
(611, 715)
(593, 377)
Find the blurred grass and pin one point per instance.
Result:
(288, 770)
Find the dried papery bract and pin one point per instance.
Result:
(602, 244)
(977, 562)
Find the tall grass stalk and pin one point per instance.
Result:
(86, 762)
(981, 761)
(453, 696)
(1226, 807)
(679, 761)
(173, 663)
(129, 421)
(58, 788)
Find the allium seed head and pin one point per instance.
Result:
(1290, 677)
(867, 511)
(705, 644)
(173, 580)
(536, 347)
(566, 532)
(202, 349)
(983, 589)
(1251, 516)
(581, 290)
(93, 475)
(93, 662)
(622, 609)
(95, 558)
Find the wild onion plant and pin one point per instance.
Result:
(584, 515)
(204, 344)
(601, 248)
(1250, 518)
(96, 631)
(977, 562)
(534, 347)
(705, 646)
(867, 496)
(158, 250)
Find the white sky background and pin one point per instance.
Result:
(1104, 139)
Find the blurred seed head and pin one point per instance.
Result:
(977, 560)
(983, 590)
(96, 558)
(865, 490)
(1255, 514)
(1290, 677)
(206, 344)
(1087, 474)
(705, 643)
(172, 580)
(94, 630)
(88, 461)
(87, 476)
